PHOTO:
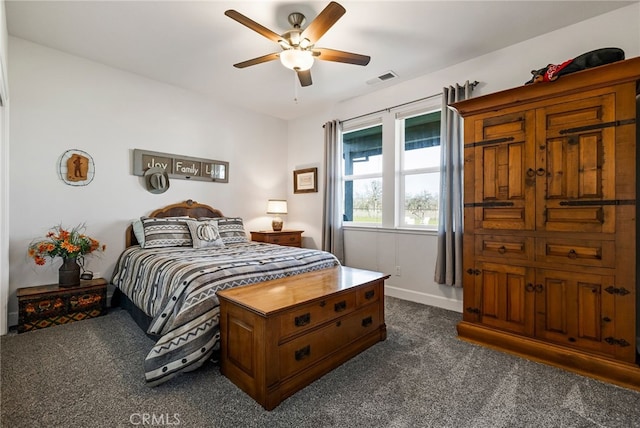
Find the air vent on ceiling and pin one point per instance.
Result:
(387, 75)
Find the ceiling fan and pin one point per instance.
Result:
(298, 45)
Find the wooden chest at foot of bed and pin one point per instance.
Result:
(48, 305)
(279, 336)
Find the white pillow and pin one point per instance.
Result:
(138, 231)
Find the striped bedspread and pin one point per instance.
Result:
(177, 287)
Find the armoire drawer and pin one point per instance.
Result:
(504, 246)
(576, 252)
(308, 316)
(303, 351)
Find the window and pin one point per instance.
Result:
(362, 171)
(391, 168)
(419, 170)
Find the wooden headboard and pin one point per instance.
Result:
(189, 208)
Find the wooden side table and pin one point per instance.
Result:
(48, 305)
(290, 238)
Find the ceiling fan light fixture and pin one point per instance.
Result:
(296, 59)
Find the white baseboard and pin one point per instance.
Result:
(425, 299)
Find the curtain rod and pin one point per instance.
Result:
(388, 109)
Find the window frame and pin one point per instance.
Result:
(400, 118)
(353, 126)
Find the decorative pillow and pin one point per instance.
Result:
(205, 234)
(166, 232)
(231, 230)
(138, 231)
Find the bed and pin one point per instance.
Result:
(169, 282)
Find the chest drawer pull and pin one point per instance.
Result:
(572, 254)
(303, 353)
(303, 319)
(366, 322)
(369, 294)
(340, 306)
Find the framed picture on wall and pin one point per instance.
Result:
(305, 180)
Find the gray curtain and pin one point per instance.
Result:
(449, 261)
(332, 233)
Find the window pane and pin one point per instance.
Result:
(362, 151)
(370, 164)
(422, 141)
(363, 200)
(421, 199)
(425, 157)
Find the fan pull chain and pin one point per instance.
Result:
(295, 87)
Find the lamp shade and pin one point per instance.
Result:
(277, 206)
(296, 59)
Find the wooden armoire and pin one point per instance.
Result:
(550, 250)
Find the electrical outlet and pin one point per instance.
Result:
(97, 275)
(398, 272)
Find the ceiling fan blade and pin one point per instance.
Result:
(304, 77)
(323, 22)
(258, 60)
(247, 22)
(341, 56)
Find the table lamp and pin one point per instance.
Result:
(277, 207)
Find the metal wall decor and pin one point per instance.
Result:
(76, 167)
(183, 167)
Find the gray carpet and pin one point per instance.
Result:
(89, 374)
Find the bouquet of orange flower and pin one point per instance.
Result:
(64, 243)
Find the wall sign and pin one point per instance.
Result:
(183, 167)
(76, 168)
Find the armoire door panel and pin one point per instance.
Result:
(569, 309)
(586, 157)
(555, 305)
(579, 219)
(576, 163)
(574, 167)
(504, 191)
(589, 313)
(563, 118)
(502, 169)
(506, 297)
(579, 113)
(507, 125)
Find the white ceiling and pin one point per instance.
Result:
(192, 44)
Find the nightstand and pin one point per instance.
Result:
(48, 305)
(290, 238)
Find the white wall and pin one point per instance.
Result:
(65, 102)
(502, 69)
